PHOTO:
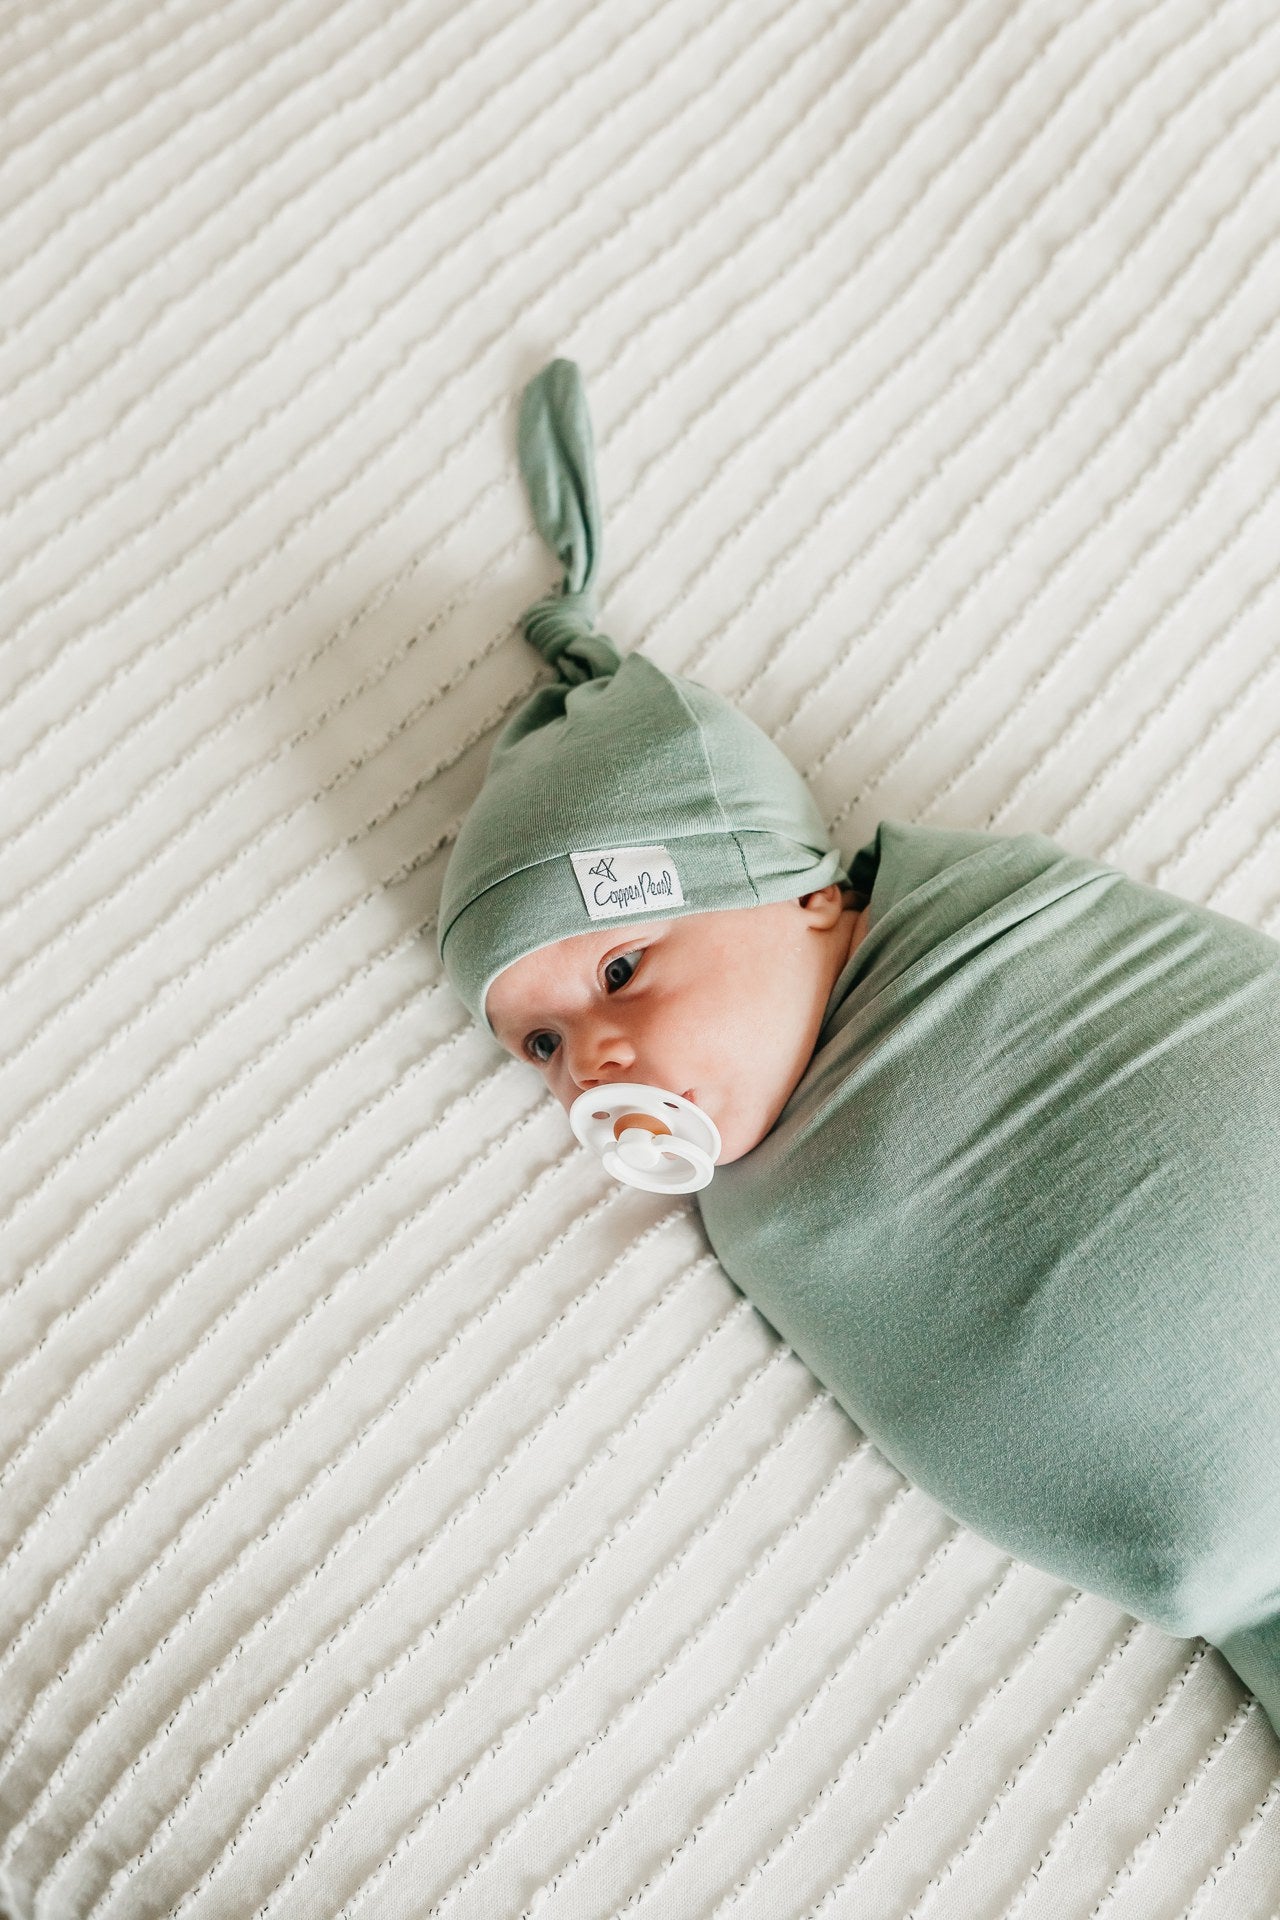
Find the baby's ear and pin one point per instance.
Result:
(823, 908)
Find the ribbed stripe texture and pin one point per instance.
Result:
(395, 1518)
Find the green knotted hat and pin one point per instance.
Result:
(619, 793)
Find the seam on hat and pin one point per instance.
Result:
(670, 840)
(715, 787)
(531, 866)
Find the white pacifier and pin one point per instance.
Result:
(648, 1137)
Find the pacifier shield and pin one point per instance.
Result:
(647, 1137)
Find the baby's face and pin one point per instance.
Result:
(723, 1008)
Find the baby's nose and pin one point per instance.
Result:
(599, 1055)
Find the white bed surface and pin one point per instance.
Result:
(396, 1518)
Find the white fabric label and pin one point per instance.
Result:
(621, 880)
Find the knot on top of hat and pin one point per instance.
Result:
(557, 460)
(562, 628)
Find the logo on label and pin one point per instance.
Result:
(625, 880)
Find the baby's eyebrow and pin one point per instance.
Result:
(576, 982)
(506, 1033)
(498, 1028)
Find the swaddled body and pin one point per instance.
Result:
(1022, 1216)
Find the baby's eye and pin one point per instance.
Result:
(621, 968)
(541, 1046)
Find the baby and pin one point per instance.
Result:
(1000, 1127)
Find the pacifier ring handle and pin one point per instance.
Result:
(639, 1153)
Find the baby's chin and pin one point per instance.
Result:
(742, 1121)
(744, 1106)
(737, 1140)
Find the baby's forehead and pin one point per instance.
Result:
(534, 979)
(532, 986)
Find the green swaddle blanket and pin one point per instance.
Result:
(1022, 1217)
(1021, 1213)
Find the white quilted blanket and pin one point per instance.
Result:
(397, 1519)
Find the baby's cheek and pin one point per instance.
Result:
(559, 1083)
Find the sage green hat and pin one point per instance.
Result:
(619, 793)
